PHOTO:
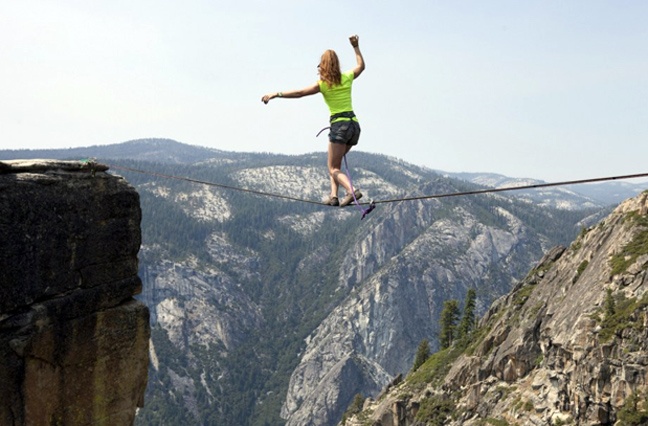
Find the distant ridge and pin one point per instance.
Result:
(599, 194)
(169, 151)
(153, 149)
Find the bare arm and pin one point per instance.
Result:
(306, 91)
(359, 59)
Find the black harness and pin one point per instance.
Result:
(346, 114)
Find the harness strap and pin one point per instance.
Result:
(346, 114)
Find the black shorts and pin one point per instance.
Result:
(346, 132)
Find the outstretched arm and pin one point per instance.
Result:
(354, 39)
(306, 91)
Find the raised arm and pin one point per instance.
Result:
(306, 91)
(354, 39)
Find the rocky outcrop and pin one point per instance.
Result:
(73, 341)
(569, 345)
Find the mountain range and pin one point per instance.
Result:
(170, 151)
(274, 309)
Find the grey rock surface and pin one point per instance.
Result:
(569, 344)
(73, 341)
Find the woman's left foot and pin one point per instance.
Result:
(332, 201)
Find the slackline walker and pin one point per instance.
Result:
(335, 87)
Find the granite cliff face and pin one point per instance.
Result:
(569, 345)
(73, 341)
(435, 251)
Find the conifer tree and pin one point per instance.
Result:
(610, 305)
(448, 323)
(467, 323)
(422, 354)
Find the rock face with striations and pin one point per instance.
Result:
(569, 345)
(435, 251)
(73, 341)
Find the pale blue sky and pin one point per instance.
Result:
(553, 90)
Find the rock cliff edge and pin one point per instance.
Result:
(73, 341)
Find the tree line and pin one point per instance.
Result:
(453, 327)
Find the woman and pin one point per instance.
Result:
(335, 86)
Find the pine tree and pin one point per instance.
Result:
(610, 305)
(422, 354)
(467, 323)
(448, 321)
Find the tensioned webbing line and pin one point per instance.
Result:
(516, 188)
(219, 185)
(420, 197)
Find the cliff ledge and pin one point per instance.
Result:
(73, 341)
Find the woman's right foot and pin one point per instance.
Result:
(350, 197)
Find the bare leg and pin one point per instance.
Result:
(335, 153)
(334, 187)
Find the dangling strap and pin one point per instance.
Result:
(372, 205)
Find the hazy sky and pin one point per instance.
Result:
(553, 90)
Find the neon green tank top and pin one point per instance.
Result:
(338, 98)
